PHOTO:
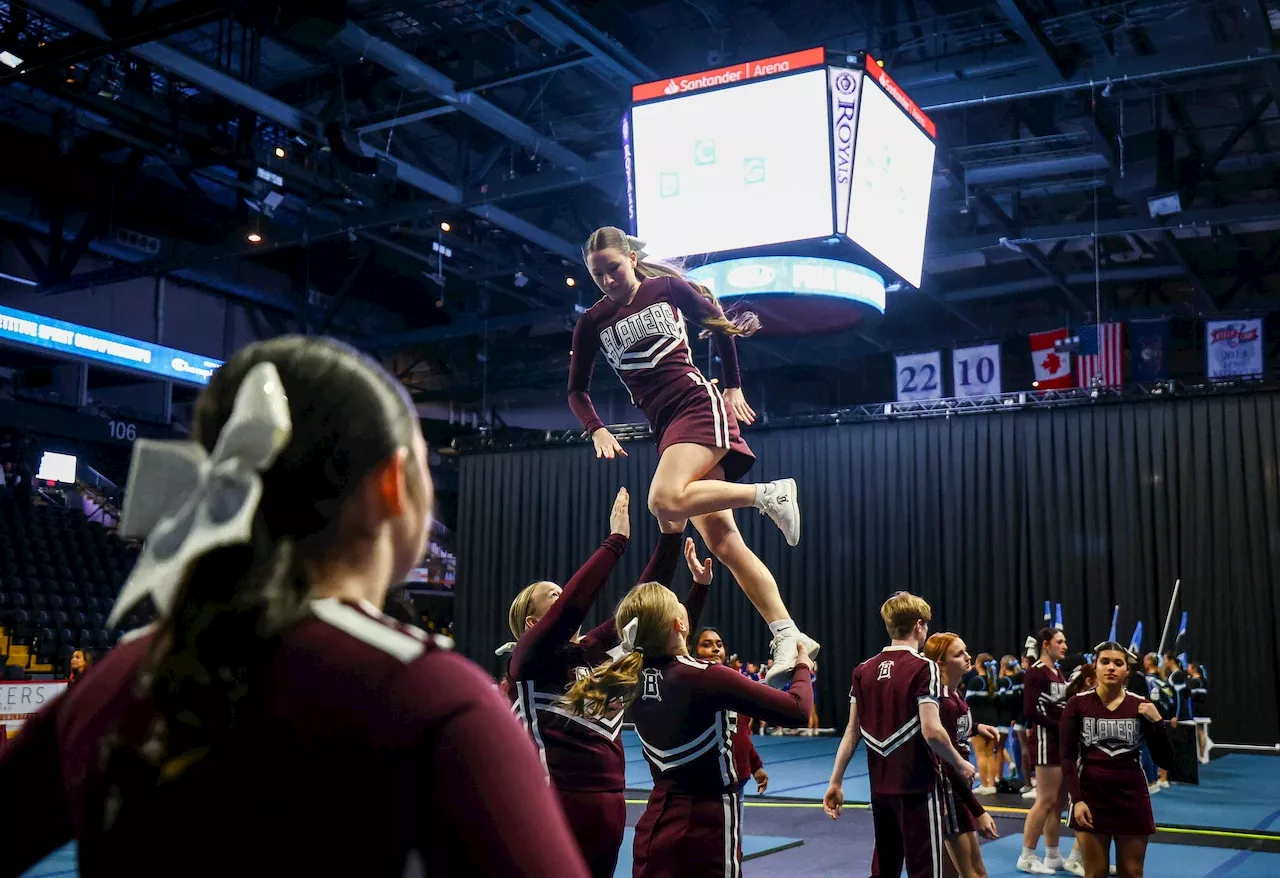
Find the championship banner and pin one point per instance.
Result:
(1233, 349)
(919, 376)
(23, 699)
(976, 371)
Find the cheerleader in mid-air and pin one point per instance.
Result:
(640, 325)
(1102, 732)
(681, 708)
(964, 818)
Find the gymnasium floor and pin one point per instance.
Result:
(1228, 826)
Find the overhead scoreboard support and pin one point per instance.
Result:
(803, 148)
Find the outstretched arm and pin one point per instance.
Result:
(730, 689)
(566, 615)
(661, 568)
(701, 587)
(582, 362)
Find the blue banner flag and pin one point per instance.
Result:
(1115, 620)
(1135, 642)
(1149, 346)
(1048, 612)
(1180, 642)
(1057, 616)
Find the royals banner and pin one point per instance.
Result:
(1233, 349)
(919, 376)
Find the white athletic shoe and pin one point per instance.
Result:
(1032, 865)
(1154, 787)
(1054, 864)
(1074, 866)
(783, 649)
(1029, 794)
(778, 501)
(1164, 784)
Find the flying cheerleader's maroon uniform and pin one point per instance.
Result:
(369, 740)
(647, 344)
(683, 717)
(1042, 695)
(961, 807)
(582, 755)
(906, 794)
(1101, 763)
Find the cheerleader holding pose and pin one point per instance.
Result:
(683, 709)
(964, 818)
(640, 326)
(1044, 689)
(584, 759)
(1102, 733)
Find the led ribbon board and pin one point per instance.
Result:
(798, 276)
(81, 342)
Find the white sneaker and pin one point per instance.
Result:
(1153, 788)
(985, 791)
(1029, 794)
(783, 649)
(1074, 866)
(1054, 864)
(1032, 865)
(1164, 784)
(778, 501)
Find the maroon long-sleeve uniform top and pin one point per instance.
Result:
(682, 717)
(888, 689)
(1044, 689)
(579, 753)
(1109, 742)
(647, 344)
(953, 711)
(746, 760)
(371, 740)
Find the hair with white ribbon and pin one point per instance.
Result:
(187, 502)
(627, 640)
(637, 247)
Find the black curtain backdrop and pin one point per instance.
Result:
(985, 515)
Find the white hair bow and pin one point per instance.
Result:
(1031, 646)
(506, 648)
(627, 642)
(637, 246)
(186, 502)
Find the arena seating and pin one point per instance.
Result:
(59, 576)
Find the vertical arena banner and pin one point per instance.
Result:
(21, 700)
(1233, 349)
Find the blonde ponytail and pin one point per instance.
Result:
(652, 607)
(744, 324)
(615, 681)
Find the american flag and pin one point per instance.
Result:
(1098, 364)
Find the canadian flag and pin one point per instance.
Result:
(1053, 369)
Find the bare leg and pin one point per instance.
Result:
(1043, 816)
(965, 857)
(1096, 849)
(683, 486)
(721, 534)
(1131, 855)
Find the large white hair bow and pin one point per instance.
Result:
(627, 642)
(185, 501)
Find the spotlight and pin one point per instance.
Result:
(445, 227)
(1035, 383)
(254, 238)
(279, 152)
(570, 282)
(879, 63)
(9, 59)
